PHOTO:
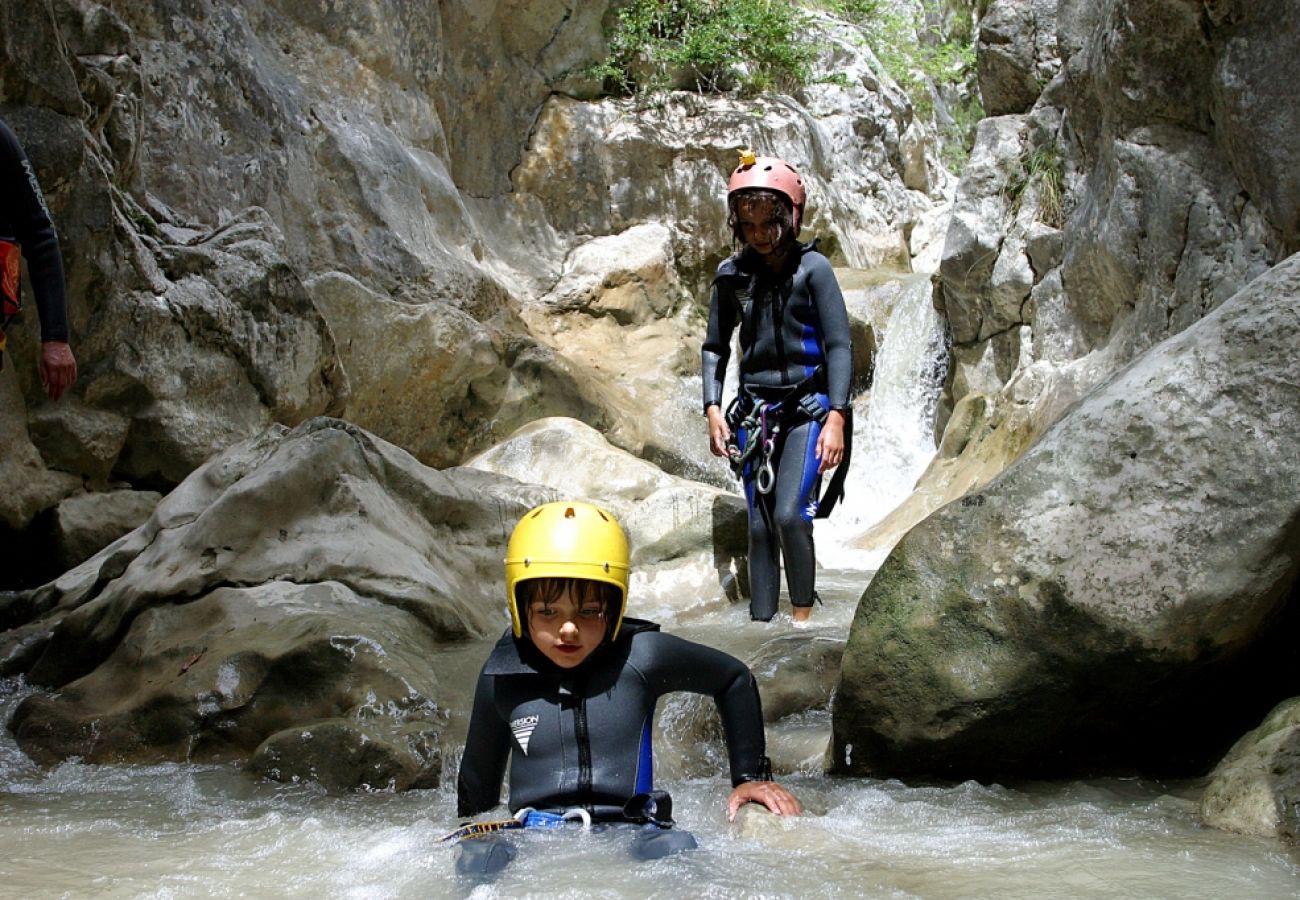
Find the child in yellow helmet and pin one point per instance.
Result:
(567, 698)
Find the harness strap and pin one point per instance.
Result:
(524, 818)
(834, 492)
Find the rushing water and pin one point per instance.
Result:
(174, 831)
(182, 830)
(894, 439)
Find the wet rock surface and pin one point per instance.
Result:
(1255, 789)
(1078, 608)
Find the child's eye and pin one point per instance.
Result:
(592, 613)
(544, 611)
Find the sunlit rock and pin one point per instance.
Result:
(1144, 184)
(687, 538)
(1255, 789)
(1115, 595)
(1016, 54)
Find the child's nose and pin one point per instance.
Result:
(569, 628)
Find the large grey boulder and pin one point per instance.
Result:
(1142, 187)
(1098, 599)
(688, 540)
(302, 578)
(1016, 54)
(1255, 789)
(272, 211)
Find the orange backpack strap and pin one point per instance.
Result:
(10, 258)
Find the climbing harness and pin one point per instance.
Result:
(653, 807)
(761, 428)
(524, 818)
(762, 421)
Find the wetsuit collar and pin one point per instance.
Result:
(518, 656)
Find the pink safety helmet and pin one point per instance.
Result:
(774, 175)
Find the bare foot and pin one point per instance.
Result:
(801, 613)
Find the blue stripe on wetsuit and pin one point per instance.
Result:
(645, 766)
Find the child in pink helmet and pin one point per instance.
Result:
(791, 420)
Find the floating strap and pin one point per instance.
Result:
(652, 806)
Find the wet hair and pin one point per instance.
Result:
(783, 209)
(544, 591)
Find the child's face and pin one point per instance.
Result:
(760, 224)
(565, 631)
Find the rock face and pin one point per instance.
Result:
(1132, 179)
(1255, 789)
(292, 600)
(304, 601)
(1103, 599)
(399, 216)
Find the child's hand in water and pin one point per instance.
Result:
(768, 793)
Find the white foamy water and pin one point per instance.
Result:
(191, 831)
(894, 435)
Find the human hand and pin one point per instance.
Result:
(768, 793)
(830, 444)
(719, 433)
(58, 368)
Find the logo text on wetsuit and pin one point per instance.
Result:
(523, 729)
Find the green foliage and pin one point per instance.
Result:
(1045, 169)
(755, 45)
(1041, 175)
(926, 46)
(716, 44)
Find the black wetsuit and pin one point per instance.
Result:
(580, 738)
(25, 220)
(794, 341)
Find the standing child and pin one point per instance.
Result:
(567, 697)
(790, 421)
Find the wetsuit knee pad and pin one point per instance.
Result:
(653, 842)
(484, 857)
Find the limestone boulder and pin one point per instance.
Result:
(1111, 211)
(83, 524)
(314, 576)
(1119, 595)
(1016, 54)
(621, 326)
(688, 540)
(1255, 789)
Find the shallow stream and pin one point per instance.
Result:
(182, 830)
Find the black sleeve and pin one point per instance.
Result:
(35, 233)
(487, 749)
(834, 318)
(674, 664)
(716, 349)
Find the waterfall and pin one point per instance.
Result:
(893, 438)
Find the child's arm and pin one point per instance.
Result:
(681, 665)
(487, 748)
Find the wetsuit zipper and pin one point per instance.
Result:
(584, 751)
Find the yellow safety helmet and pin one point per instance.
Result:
(567, 539)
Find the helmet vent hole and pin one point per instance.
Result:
(527, 562)
(569, 513)
(606, 567)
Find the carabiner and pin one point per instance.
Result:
(766, 479)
